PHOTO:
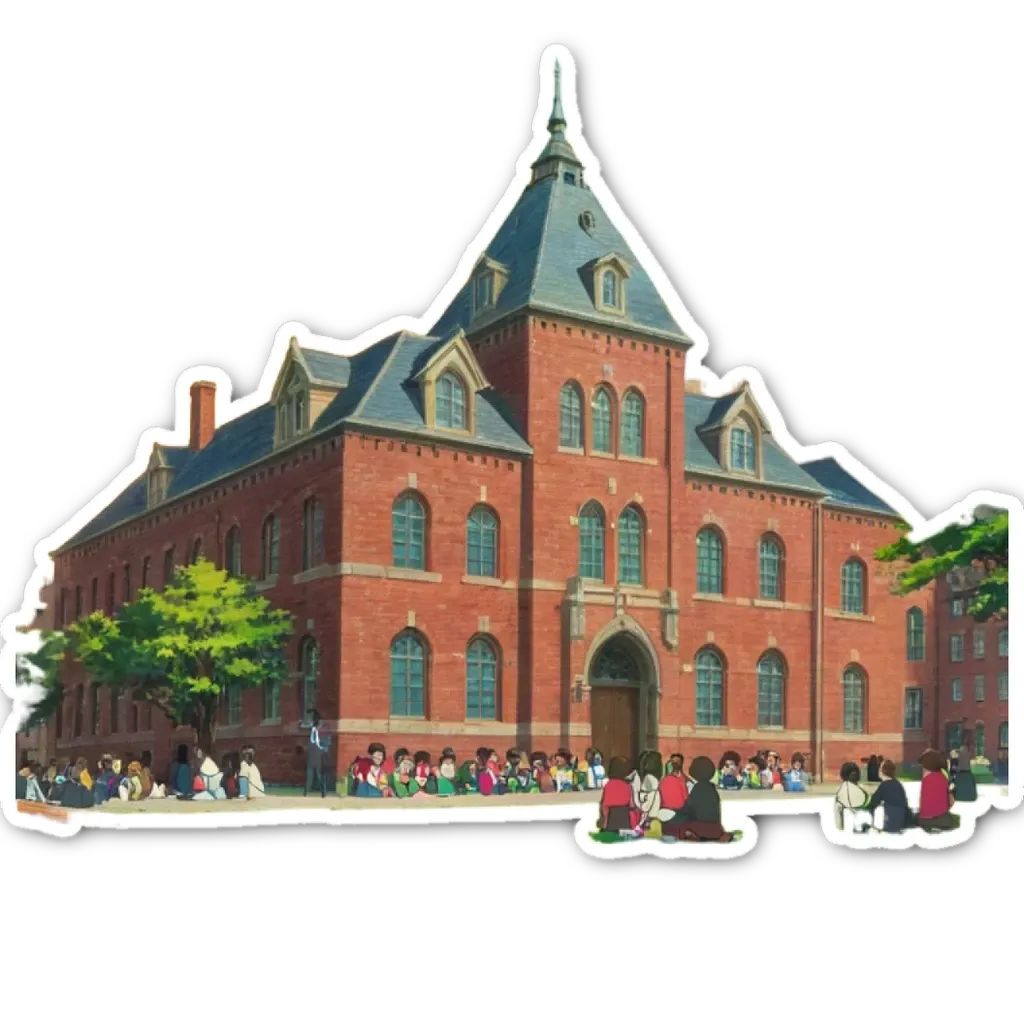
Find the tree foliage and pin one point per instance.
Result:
(978, 550)
(180, 649)
(42, 667)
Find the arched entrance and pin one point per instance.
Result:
(623, 694)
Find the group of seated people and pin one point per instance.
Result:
(664, 802)
(132, 779)
(763, 770)
(943, 782)
(409, 774)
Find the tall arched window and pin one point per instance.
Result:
(601, 415)
(770, 568)
(126, 583)
(482, 542)
(168, 565)
(709, 688)
(312, 533)
(271, 547)
(233, 552)
(771, 685)
(853, 699)
(79, 709)
(196, 551)
(709, 561)
(741, 449)
(631, 531)
(481, 680)
(979, 739)
(408, 533)
(408, 676)
(631, 439)
(853, 586)
(570, 416)
(94, 718)
(450, 404)
(309, 672)
(915, 635)
(609, 288)
(147, 565)
(591, 560)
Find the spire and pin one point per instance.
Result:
(558, 158)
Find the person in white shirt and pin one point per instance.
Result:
(249, 771)
(851, 801)
(315, 755)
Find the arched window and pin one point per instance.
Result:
(481, 680)
(299, 407)
(915, 635)
(79, 709)
(741, 449)
(94, 697)
(610, 289)
(631, 440)
(168, 565)
(601, 413)
(570, 417)
(450, 404)
(309, 672)
(770, 568)
(1004, 735)
(709, 688)
(482, 542)
(272, 702)
(312, 533)
(591, 561)
(631, 531)
(126, 583)
(147, 564)
(408, 533)
(709, 561)
(234, 704)
(271, 547)
(196, 551)
(114, 709)
(408, 676)
(853, 699)
(233, 552)
(771, 681)
(853, 587)
(979, 739)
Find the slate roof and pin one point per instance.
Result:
(379, 392)
(546, 251)
(326, 366)
(845, 490)
(779, 468)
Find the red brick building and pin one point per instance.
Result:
(526, 528)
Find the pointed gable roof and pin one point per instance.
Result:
(548, 251)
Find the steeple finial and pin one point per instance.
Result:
(556, 122)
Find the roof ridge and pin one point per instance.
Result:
(385, 366)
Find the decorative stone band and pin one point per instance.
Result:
(835, 613)
(427, 727)
(775, 735)
(755, 602)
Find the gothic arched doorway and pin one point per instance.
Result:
(623, 692)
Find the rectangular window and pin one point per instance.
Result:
(1004, 686)
(913, 708)
(312, 533)
(111, 593)
(126, 589)
(853, 709)
(63, 607)
(954, 735)
(958, 607)
(1004, 643)
(956, 689)
(234, 698)
(78, 602)
(956, 647)
(272, 702)
(115, 709)
(979, 644)
(979, 689)
(94, 594)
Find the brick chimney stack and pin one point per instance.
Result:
(202, 422)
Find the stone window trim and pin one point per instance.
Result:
(612, 300)
(597, 433)
(455, 357)
(487, 282)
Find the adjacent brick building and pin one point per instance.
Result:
(526, 528)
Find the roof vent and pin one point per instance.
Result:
(588, 221)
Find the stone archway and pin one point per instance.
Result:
(622, 675)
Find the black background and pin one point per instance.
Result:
(828, 200)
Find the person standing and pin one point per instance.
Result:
(316, 752)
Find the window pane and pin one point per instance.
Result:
(853, 588)
(591, 560)
(913, 709)
(956, 689)
(570, 432)
(853, 701)
(481, 681)
(979, 740)
(709, 689)
(741, 449)
(482, 543)
(610, 292)
(915, 635)
(956, 647)
(979, 644)
(310, 668)
(630, 561)
(407, 676)
(979, 689)
(1004, 686)
(770, 685)
(1004, 643)
(408, 525)
(770, 566)
(602, 414)
(272, 702)
(709, 562)
(632, 440)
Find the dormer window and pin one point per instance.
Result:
(484, 291)
(741, 449)
(569, 178)
(489, 278)
(292, 409)
(451, 402)
(610, 274)
(157, 487)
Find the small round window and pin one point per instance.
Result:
(587, 221)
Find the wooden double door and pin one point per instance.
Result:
(615, 721)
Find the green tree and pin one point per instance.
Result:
(180, 649)
(980, 550)
(42, 667)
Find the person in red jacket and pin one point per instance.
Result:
(934, 813)
(674, 791)
(619, 812)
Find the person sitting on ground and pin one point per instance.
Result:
(250, 780)
(28, 787)
(645, 781)
(892, 798)
(700, 818)
(446, 773)
(524, 780)
(934, 814)
(542, 772)
(596, 775)
(230, 780)
(74, 794)
(423, 775)
(618, 812)
(465, 780)
(775, 768)
(673, 793)
(104, 785)
(403, 781)
(729, 776)
(209, 779)
(873, 766)
(752, 773)
(674, 764)
(151, 789)
(796, 778)
(965, 788)
(84, 778)
(851, 800)
(562, 773)
(180, 780)
(371, 779)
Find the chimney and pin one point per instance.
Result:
(202, 396)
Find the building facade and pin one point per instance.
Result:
(526, 528)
